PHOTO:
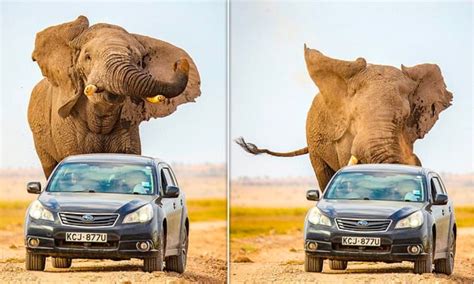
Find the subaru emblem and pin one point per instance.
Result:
(362, 223)
(87, 218)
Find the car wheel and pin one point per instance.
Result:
(425, 265)
(177, 263)
(313, 263)
(35, 261)
(446, 265)
(61, 262)
(151, 264)
(337, 264)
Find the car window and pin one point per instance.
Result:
(441, 185)
(437, 186)
(371, 185)
(166, 178)
(104, 177)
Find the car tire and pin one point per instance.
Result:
(313, 263)
(177, 263)
(35, 261)
(338, 264)
(425, 265)
(61, 262)
(151, 264)
(446, 265)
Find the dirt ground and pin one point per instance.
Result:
(206, 262)
(280, 258)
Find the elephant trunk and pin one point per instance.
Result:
(125, 78)
(381, 146)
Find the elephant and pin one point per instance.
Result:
(100, 82)
(366, 113)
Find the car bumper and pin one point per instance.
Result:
(121, 240)
(393, 244)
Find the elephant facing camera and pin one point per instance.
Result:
(100, 82)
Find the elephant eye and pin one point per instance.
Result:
(87, 57)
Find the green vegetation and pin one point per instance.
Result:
(12, 213)
(464, 216)
(251, 222)
(248, 222)
(207, 210)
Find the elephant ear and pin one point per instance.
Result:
(429, 98)
(55, 58)
(160, 63)
(332, 77)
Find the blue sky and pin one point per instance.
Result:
(193, 134)
(271, 91)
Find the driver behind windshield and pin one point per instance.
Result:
(138, 181)
(409, 190)
(345, 190)
(70, 182)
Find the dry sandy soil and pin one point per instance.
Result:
(206, 262)
(280, 259)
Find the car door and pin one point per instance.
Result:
(441, 215)
(172, 209)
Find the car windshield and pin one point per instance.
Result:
(103, 177)
(377, 186)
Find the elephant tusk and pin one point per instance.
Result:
(156, 99)
(90, 90)
(352, 161)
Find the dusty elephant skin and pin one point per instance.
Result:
(100, 83)
(372, 113)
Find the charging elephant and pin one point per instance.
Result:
(100, 83)
(366, 113)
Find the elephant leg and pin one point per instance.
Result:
(323, 172)
(47, 162)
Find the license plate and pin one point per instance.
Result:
(361, 241)
(86, 237)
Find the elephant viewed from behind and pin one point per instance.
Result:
(100, 83)
(366, 113)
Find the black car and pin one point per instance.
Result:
(108, 206)
(387, 213)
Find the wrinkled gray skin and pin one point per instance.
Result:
(374, 113)
(126, 69)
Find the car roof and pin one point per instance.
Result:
(108, 157)
(386, 167)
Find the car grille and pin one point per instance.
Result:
(98, 220)
(368, 225)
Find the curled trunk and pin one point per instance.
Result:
(125, 78)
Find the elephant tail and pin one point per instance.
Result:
(252, 149)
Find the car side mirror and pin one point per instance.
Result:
(440, 199)
(171, 191)
(312, 195)
(34, 187)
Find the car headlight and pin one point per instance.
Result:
(37, 211)
(413, 221)
(317, 218)
(142, 215)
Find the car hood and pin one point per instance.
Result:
(374, 209)
(93, 202)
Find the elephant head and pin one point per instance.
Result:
(383, 109)
(111, 67)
